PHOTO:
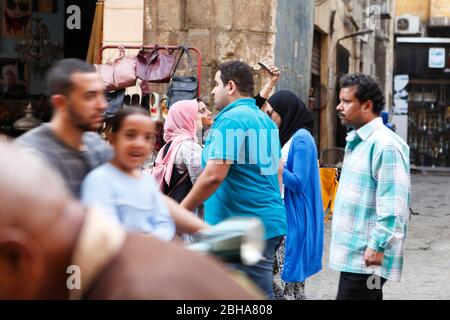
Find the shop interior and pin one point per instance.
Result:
(33, 35)
(429, 122)
(426, 63)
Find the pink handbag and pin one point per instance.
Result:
(155, 66)
(120, 73)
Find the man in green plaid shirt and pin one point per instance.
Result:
(372, 203)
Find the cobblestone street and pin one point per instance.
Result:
(427, 255)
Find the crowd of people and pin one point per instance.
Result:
(87, 202)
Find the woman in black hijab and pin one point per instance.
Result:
(289, 113)
(300, 254)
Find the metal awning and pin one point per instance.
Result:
(422, 40)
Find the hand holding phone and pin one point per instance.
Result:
(266, 67)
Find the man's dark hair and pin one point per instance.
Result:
(58, 79)
(240, 73)
(367, 88)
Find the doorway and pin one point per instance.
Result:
(342, 68)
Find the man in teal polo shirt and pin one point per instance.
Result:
(241, 161)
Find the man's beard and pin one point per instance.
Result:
(220, 105)
(78, 121)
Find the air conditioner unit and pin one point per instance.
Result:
(407, 24)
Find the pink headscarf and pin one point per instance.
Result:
(179, 126)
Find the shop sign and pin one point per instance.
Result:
(436, 58)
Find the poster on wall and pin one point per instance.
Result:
(15, 18)
(13, 79)
(400, 94)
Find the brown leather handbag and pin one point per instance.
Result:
(119, 74)
(154, 66)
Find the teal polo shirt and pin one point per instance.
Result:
(249, 140)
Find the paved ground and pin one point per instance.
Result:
(427, 255)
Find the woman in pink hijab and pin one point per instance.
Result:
(178, 164)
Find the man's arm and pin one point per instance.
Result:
(392, 203)
(185, 221)
(208, 182)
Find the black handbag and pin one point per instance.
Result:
(115, 101)
(182, 87)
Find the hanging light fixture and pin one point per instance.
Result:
(37, 50)
(28, 122)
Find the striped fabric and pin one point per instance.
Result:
(372, 202)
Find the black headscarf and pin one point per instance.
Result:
(293, 112)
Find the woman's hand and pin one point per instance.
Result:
(270, 84)
(275, 76)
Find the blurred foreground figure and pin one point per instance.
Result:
(51, 247)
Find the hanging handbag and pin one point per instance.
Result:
(119, 74)
(115, 101)
(154, 66)
(182, 87)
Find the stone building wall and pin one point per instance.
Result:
(419, 8)
(254, 30)
(334, 20)
(431, 12)
(222, 30)
(370, 54)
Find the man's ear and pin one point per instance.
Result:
(367, 106)
(21, 265)
(232, 88)
(58, 101)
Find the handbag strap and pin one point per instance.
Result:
(177, 63)
(191, 64)
(182, 179)
(184, 50)
(111, 60)
(121, 51)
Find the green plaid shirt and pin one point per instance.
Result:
(372, 202)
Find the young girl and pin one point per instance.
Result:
(120, 188)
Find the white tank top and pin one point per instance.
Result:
(284, 157)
